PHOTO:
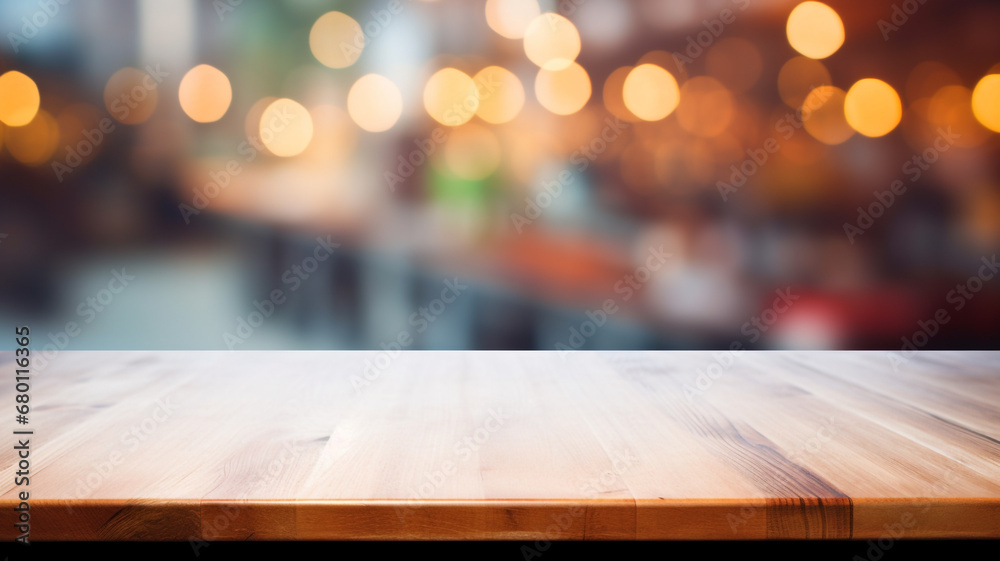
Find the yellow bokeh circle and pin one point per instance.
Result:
(286, 128)
(501, 95)
(374, 103)
(551, 41)
(205, 93)
(510, 18)
(650, 92)
(451, 97)
(986, 102)
(19, 99)
(872, 107)
(336, 40)
(815, 30)
(564, 91)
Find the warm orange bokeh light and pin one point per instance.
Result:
(650, 92)
(205, 93)
(374, 103)
(613, 95)
(451, 97)
(815, 30)
(823, 115)
(551, 41)
(501, 95)
(19, 99)
(34, 143)
(252, 123)
(872, 107)
(565, 91)
(800, 76)
(336, 40)
(706, 107)
(952, 107)
(986, 102)
(130, 96)
(286, 128)
(510, 18)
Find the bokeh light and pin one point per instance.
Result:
(823, 115)
(336, 40)
(374, 103)
(34, 143)
(472, 152)
(501, 95)
(564, 91)
(551, 41)
(650, 92)
(130, 96)
(205, 93)
(952, 107)
(19, 99)
(815, 30)
(613, 95)
(510, 18)
(451, 97)
(872, 107)
(286, 128)
(706, 106)
(252, 123)
(798, 77)
(986, 102)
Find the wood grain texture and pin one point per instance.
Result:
(509, 445)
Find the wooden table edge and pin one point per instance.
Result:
(508, 519)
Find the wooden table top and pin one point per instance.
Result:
(509, 445)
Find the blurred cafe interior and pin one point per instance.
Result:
(507, 174)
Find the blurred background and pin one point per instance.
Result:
(510, 174)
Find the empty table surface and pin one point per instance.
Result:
(508, 445)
